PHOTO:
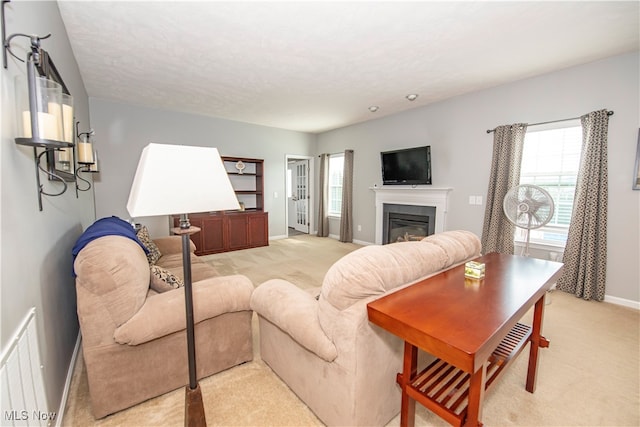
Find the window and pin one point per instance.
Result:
(336, 167)
(289, 183)
(551, 159)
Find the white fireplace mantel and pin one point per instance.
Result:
(417, 196)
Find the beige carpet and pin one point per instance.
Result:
(303, 260)
(589, 376)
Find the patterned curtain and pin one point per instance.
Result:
(497, 231)
(323, 204)
(346, 213)
(585, 254)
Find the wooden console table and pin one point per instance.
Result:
(471, 327)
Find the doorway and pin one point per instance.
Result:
(299, 194)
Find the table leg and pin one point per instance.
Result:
(476, 395)
(537, 341)
(409, 370)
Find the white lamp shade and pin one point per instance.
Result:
(180, 179)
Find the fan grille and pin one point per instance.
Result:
(528, 206)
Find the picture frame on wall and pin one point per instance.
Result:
(636, 169)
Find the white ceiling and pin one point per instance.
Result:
(316, 66)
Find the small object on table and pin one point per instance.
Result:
(474, 270)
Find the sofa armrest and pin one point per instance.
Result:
(172, 245)
(164, 313)
(295, 312)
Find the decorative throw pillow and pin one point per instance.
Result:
(162, 280)
(153, 252)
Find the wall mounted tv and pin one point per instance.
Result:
(410, 166)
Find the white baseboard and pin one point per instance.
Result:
(282, 236)
(622, 301)
(357, 242)
(332, 236)
(67, 383)
(363, 243)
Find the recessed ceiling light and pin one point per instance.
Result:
(412, 96)
(373, 108)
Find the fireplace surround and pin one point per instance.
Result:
(411, 197)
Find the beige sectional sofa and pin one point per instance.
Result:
(341, 366)
(133, 338)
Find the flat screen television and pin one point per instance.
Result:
(410, 166)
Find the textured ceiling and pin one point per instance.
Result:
(316, 66)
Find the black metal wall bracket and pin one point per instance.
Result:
(5, 42)
(51, 175)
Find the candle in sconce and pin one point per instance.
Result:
(85, 151)
(67, 133)
(64, 155)
(67, 123)
(94, 167)
(55, 109)
(47, 125)
(43, 106)
(64, 119)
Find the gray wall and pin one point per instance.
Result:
(36, 246)
(461, 149)
(122, 131)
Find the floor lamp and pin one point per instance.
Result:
(180, 179)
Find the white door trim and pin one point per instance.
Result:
(310, 188)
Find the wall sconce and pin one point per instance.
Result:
(44, 113)
(87, 158)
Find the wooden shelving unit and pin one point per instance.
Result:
(233, 230)
(246, 176)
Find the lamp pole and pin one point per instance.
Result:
(194, 408)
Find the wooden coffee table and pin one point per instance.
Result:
(471, 327)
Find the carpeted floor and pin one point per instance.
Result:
(303, 260)
(589, 376)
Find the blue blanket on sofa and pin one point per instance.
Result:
(108, 226)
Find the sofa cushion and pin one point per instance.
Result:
(293, 310)
(153, 253)
(172, 245)
(373, 270)
(458, 244)
(163, 314)
(200, 270)
(109, 226)
(163, 280)
(113, 272)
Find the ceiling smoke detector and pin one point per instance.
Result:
(374, 108)
(412, 96)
